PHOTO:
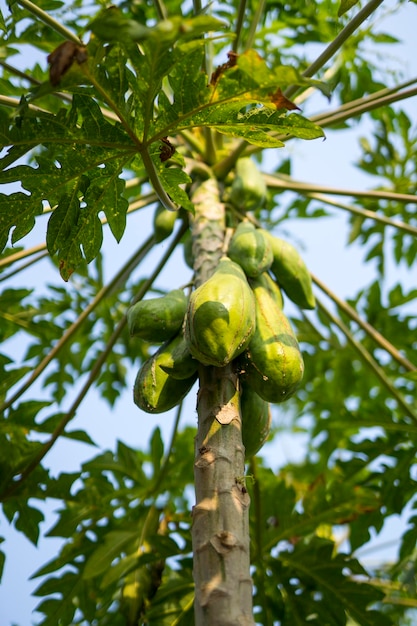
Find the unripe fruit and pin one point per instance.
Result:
(163, 223)
(158, 319)
(291, 272)
(250, 249)
(187, 248)
(155, 391)
(175, 358)
(264, 281)
(256, 420)
(272, 365)
(248, 188)
(220, 318)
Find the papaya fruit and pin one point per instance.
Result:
(291, 272)
(158, 319)
(250, 249)
(272, 364)
(265, 281)
(176, 360)
(187, 249)
(163, 223)
(256, 420)
(248, 189)
(220, 318)
(155, 391)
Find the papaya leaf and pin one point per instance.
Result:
(112, 25)
(157, 450)
(25, 518)
(255, 124)
(239, 104)
(59, 609)
(345, 5)
(173, 599)
(101, 559)
(78, 173)
(313, 572)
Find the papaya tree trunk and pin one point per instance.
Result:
(220, 531)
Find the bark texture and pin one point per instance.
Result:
(221, 515)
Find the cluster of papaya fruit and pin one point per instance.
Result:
(235, 316)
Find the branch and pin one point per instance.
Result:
(370, 361)
(71, 330)
(161, 9)
(133, 206)
(376, 96)
(22, 254)
(310, 71)
(16, 103)
(337, 43)
(95, 371)
(24, 266)
(365, 105)
(370, 330)
(260, 6)
(19, 73)
(154, 488)
(283, 182)
(241, 12)
(286, 184)
(49, 20)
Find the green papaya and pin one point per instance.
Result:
(250, 249)
(248, 189)
(265, 281)
(176, 360)
(163, 223)
(291, 272)
(187, 248)
(154, 390)
(220, 318)
(256, 420)
(158, 319)
(272, 364)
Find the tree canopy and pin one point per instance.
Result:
(111, 116)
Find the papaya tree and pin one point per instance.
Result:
(172, 128)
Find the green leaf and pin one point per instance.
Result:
(171, 179)
(173, 600)
(2, 23)
(28, 520)
(101, 559)
(78, 173)
(112, 25)
(316, 569)
(345, 5)
(59, 609)
(241, 104)
(411, 375)
(254, 124)
(157, 450)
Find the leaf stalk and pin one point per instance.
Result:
(71, 330)
(337, 42)
(370, 361)
(370, 330)
(94, 372)
(49, 21)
